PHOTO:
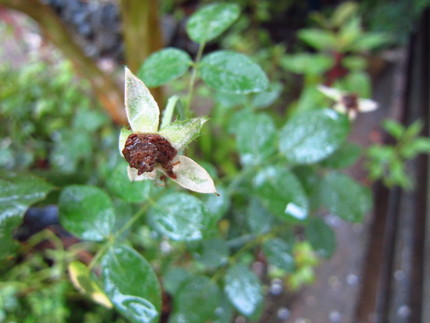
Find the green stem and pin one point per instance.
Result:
(168, 111)
(114, 237)
(193, 79)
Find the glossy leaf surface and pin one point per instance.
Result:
(243, 289)
(131, 191)
(321, 237)
(345, 197)
(256, 138)
(164, 66)
(131, 284)
(279, 253)
(87, 212)
(180, 216)
(196, 301)
(211, 21)
(232, 72)
(281, 192)
(311, 136)
(17, 193)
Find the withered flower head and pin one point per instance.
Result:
(150, 151)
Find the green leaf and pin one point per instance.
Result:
(213, 253)
(345, 197)
(142, 111)
(345, 156)
(181, 133)
(311, 136)
(279, 253)
(17, 193)
(232, 72)
(164, 66)
(131, 284)
(211, 21)
(87, 212)
(268, 97)
(318, 39)
(131, 191)
(356, 63)
(80, 276)
(370, 41)
(243, 289)
(312, 64)
(258, 218)
(174, 277)
(217, 205)
(358, 82)
(196, 301)
(321, 237)
(281, 193)
(70, 148)
(256, 138)
(394, 128)
(181, 217)
(417, 146)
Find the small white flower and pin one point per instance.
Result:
(150, 150)
(348, 103)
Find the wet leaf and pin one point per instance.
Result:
(213, 253)
(268, 97)
(256, 138)
(343, 157)
(258, 218)
(174, 277)
(243, 289)
(232, 72)
(142, 110)
(196, 301)
(211, 21)
(181, 217)
(81, 279)
(281, 193)
(17, 193)
(131, 191)
(321, 237)
(164, 66)
(87, 212)
(131, 284)
(279, 253)
(345, 197)
(311, 136)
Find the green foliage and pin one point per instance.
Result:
(276, 164)
(17, 193)
(131, 284)
(232, 72)
(211, 21)
(164, 66)
(87, 212)
(389, 162)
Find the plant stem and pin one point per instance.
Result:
(114, 237)
(193, 79)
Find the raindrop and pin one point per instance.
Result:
(404, 311)
(334, 316)
(283, 313)
(399, 275)
(165, 246)
(276, 287)
(352, 279)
